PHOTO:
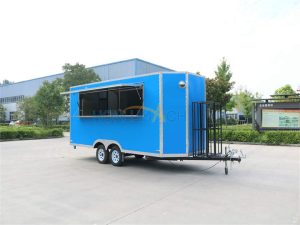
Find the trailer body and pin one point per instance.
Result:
(162, 127)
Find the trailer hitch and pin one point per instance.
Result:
(232, 155)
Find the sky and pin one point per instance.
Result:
(260, 39)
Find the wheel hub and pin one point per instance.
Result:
(115, 156)
(101, 154)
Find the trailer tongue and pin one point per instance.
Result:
(231, 155)
(207, 134)
(207, 141)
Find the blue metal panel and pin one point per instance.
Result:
(174, 111)
(132, 133)
(196, 94)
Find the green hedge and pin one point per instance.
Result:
(65, 128)
(14, 132)
(238, 127)
(266, 137)
(281, 137)
(241, 135)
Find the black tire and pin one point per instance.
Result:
(116, 156)
(102, 154)
(138, 156)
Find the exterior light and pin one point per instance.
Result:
(181, 84)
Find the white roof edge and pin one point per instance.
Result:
(136, 76)
(123, 78)
(103, 87)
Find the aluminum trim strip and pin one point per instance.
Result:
(161, 128)
(104, 87)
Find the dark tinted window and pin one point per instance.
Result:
(131, 102)
(116, 101)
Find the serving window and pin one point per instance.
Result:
(115, 101)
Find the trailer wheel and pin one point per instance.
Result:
(102, 154)
(116, 156)
(138, 156)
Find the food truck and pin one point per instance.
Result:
(163, 116)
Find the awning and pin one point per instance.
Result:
(114, 86)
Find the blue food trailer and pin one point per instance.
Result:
(160, 115)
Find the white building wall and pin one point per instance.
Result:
(106, 72)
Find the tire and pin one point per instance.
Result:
(116, 156)
(138, 156)
(102, 154)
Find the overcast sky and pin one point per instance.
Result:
(260, 39)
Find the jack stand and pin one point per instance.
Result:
(226, 168)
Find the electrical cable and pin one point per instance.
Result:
(203, 169)
(210, 166)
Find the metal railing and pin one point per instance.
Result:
(206, 129)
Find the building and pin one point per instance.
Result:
(10, 94)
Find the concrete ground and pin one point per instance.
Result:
(47, 182)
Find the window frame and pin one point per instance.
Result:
(119, 88)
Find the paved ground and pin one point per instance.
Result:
(47, 182)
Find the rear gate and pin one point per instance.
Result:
(206, 129)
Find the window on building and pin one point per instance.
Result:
(12, 116)
(12, 99)
(123, 100)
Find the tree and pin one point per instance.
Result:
(2, 113)
(27, 109)
(77, 74)
(244, 100)
(285, 90)
(231, 104)
(5, 81)
(49, 102)
(211, 89)
(217, 89)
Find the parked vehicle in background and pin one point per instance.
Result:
(12, 123)
(21, 123)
